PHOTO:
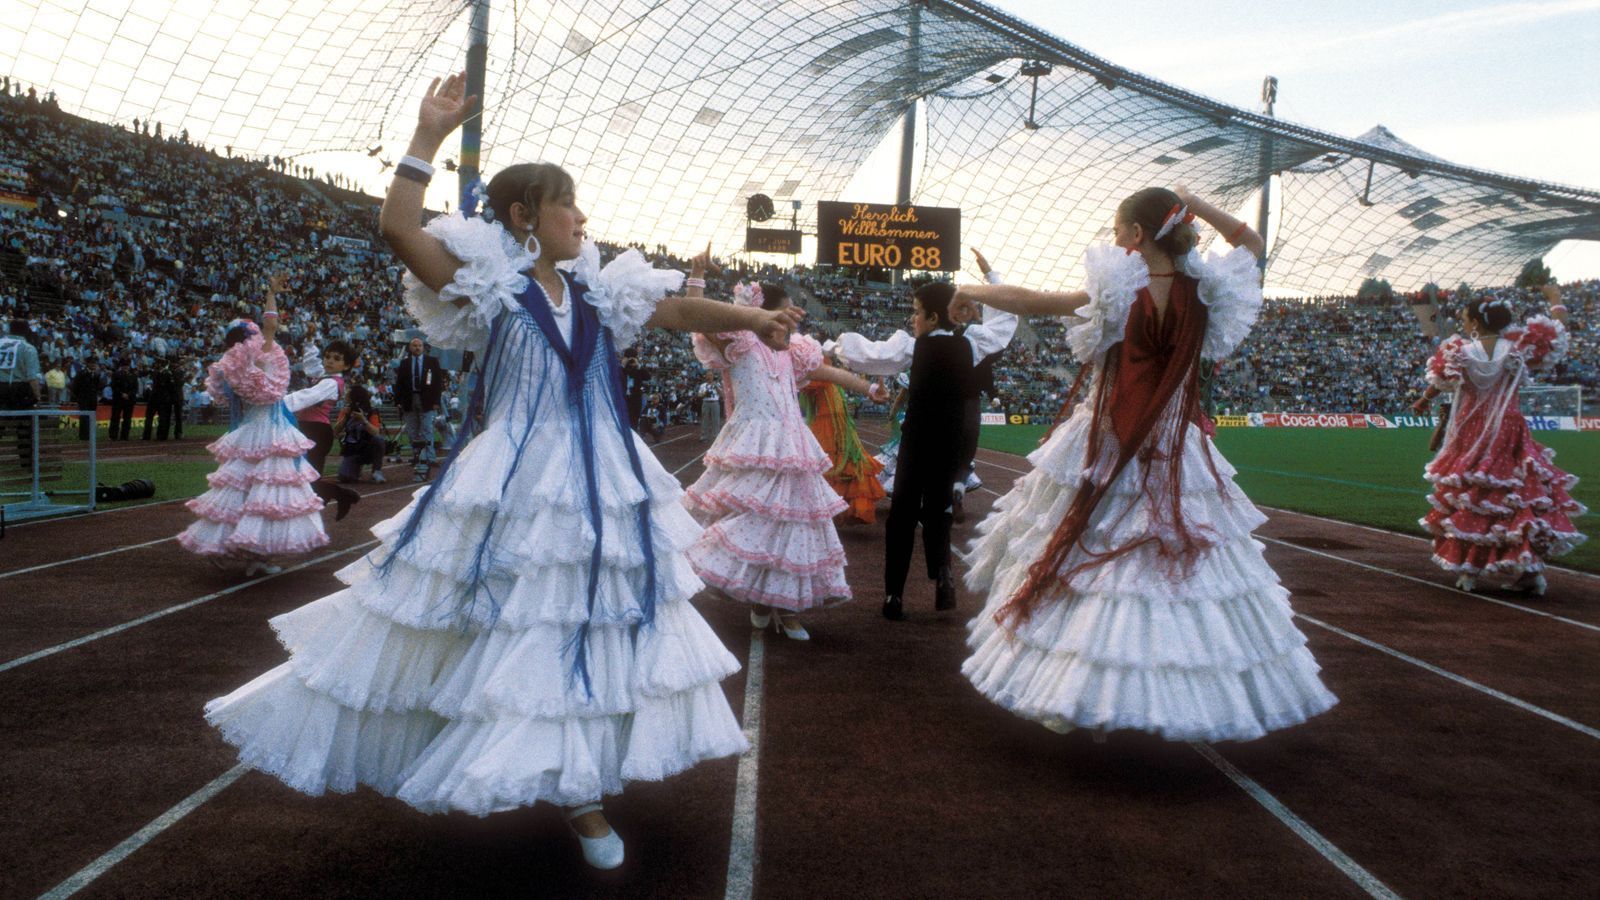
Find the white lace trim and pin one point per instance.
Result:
(1230, 287)
(490, 277)
(625, 292)
(1114, 280)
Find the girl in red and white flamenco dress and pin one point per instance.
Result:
(1124, 589)
(769, 540)
(260, 506)
(1500, 505)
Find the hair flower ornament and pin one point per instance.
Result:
(747, 294)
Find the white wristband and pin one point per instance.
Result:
(424, 165)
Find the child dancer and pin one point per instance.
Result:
(854, 475)
(941, 364)
(523, 634)
(313, 408)
(1124, 589)
(1500, 505)
(260, 506)
(770, 539)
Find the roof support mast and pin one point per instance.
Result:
(1269, 99)
(908, 127)
(472, 128)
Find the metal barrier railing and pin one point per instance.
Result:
(33, 458)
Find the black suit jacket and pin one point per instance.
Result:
(433, 382)
(941, 378)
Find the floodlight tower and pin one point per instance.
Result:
(1269, 100)
(472, 128)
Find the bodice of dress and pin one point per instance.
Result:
(764, 382)
(1149, 343)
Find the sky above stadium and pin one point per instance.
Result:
(1512, 87)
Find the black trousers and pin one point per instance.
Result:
(971, 419)
(17, 396)
(922, 494)
(322, 434)
(121, 419)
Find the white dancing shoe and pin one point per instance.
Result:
(1531, 583)
(760, 621)
(1467, 583)
(261, 568)
(604, 853)
(795, 632)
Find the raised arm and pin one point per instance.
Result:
(1232, 229)
(269, 310)
(1552, 296)
(706, 316)
(850, 382)
(444, 107)
(1010, 298)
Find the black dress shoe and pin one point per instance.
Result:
(347, 499)
(944, 595)
(892, 610)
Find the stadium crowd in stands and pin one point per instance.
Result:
(142, 247)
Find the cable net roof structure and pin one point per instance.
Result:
(671, 113)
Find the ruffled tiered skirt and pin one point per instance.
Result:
(770, 537)
(1504, 513)
(854, 474)
(1209, 654)
(409, 683)
(260, 504)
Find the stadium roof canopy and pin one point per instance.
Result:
(672, 112)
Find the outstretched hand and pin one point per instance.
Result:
(445, 106)
(777, 325)
(983, 262)
(701, 264)
(275, 285)
(962, 307)
(1421, 406)
(877, 393)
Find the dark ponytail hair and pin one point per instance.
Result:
(530, 184)
(773, 296)
(1493, 315)
(1148, 209)
(238, 334)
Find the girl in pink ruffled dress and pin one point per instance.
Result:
(1500, 505)
(260, 506)
(770, 540)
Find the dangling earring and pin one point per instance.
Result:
(535, 249)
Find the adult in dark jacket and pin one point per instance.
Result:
(85, 389)
(124, 393)
(419, 381)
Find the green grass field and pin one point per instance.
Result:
(1373, 477)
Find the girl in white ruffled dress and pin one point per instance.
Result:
(523, 633)
(1123, 587)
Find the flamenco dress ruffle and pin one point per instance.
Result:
(1211, 654)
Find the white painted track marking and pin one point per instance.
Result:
(1353, 870)
(134, 623)
(743, 854)
(1458, 679)
(86, 875)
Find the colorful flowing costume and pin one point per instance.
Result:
(854, 475)
(523, 633)
(1500, 505)
(770, 537)
(260, 504)
(1154, 607)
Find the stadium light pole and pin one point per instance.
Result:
(1269, 99)
(472, 128)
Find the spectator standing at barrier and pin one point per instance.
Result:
(85, 388)
(1120, 567)
(55, 384)
(940, 364)
(419, 381)
(19, 385)
(634, 378)
(124, 394)
(710, 393)
(1501, 507)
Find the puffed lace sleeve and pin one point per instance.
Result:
(1542, 342)
(1230, 288)
(490, 277)
(256, 375)
(736, 345)
(625, 292)
(806, 355)
(886, 357)
(1444, 367)
(1114, 279)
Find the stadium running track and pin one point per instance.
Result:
(1460, 761)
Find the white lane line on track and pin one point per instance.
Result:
(1353, 870)
(1432, 584)
(1458, 679)
(86, 875)
(114, 550)
(743, 853)
(161, 613)
(1411, 537)
(99, 512)
(688, 464)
